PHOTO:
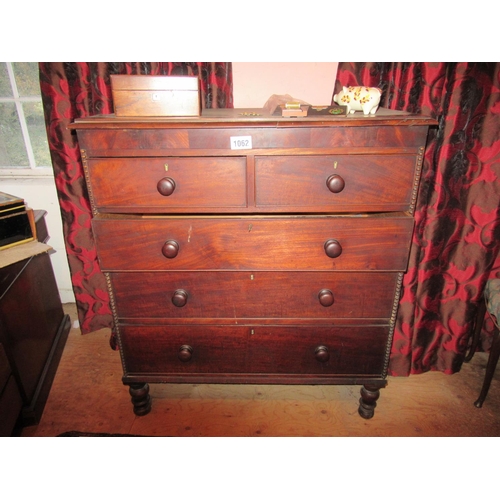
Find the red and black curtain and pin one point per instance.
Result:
(75, 90)
(457, 235)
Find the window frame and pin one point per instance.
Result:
(31, 170)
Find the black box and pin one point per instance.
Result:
(16, 221)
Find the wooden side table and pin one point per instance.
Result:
(33, 332)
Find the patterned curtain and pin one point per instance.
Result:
(457, 235)
(74, 90)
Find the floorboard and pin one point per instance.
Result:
(88, 396)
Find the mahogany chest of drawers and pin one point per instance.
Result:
(244, 248)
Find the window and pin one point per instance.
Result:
(24, 150)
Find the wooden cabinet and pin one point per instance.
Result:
(33, 332)
(254, 249)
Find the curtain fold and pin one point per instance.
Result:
(75, 90)
(457, 233)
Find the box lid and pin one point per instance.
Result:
(8, 201)
(10, 204)
(150, 82)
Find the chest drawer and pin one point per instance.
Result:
(168, 184)
(220, 294)
(261, 349)
(123, 140)
(341, 183)
(253, 244)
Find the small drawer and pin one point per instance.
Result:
(168, 184)
(347, 243)
(320, 350)
(237, 295)
(192, 349)
(364, 183)
(184, 349)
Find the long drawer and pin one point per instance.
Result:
(257, 349)
(340, 183)
(253, 243)
(165, 184)
(222, 294)
(124, 141)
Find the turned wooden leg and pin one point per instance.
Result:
(368, 401)
(140, 398)
(490, 368)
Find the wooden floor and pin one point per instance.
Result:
(88, 396)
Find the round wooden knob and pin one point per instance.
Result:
(335, 183)
(322, 353)
(179, 298)
(325, 297)
(185, 353)
(170, 249)
(333, 248)
(166, 186)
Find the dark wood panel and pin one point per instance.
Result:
(152, 349)
(367, 183)
(42, 233)
(357, 350)
(266, 349)
(10, 406)
(240, 118)
(30, 314)
(120, 142)
(287, 243)
(317, 321)
(394, 136)
(254, 295)
(376, 380)
(135, 184)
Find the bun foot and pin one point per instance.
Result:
(140, 399)
(368, 401)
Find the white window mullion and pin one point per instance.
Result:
(22, 119)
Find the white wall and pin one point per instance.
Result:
(41, 194)
(255, 82)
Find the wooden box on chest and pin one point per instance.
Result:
(254, 250)
(147, 95)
